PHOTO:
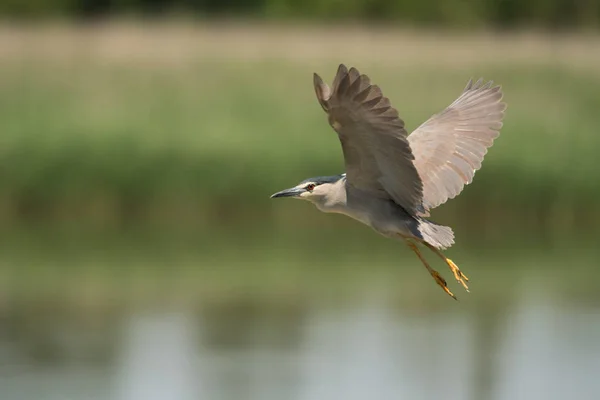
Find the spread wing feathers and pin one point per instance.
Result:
(377, 154)
(450, 146)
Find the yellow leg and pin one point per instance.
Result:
(436, 276)
(460, 277)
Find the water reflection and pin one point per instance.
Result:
(157, 358)
(240, 349)
(549, 352)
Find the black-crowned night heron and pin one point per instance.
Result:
(392, 179)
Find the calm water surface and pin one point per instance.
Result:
(530, 348)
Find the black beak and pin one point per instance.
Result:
(288, 193)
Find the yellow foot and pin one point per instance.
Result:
(442, 282)
(460, 277)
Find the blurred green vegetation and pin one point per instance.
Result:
(457, 13)
(208, 142)
(307, 265)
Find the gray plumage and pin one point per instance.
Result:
(393, 179)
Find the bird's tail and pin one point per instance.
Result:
(439, 236)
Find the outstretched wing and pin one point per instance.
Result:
(450, 146)
(377, 154)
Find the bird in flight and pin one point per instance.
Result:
(393, 179)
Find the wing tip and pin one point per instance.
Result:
(482, 84)
(322, 91)
(341, 72)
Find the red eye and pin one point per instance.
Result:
(310, 187)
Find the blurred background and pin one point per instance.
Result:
(141, 257)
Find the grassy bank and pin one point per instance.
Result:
(101, 129)
(318, 263)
